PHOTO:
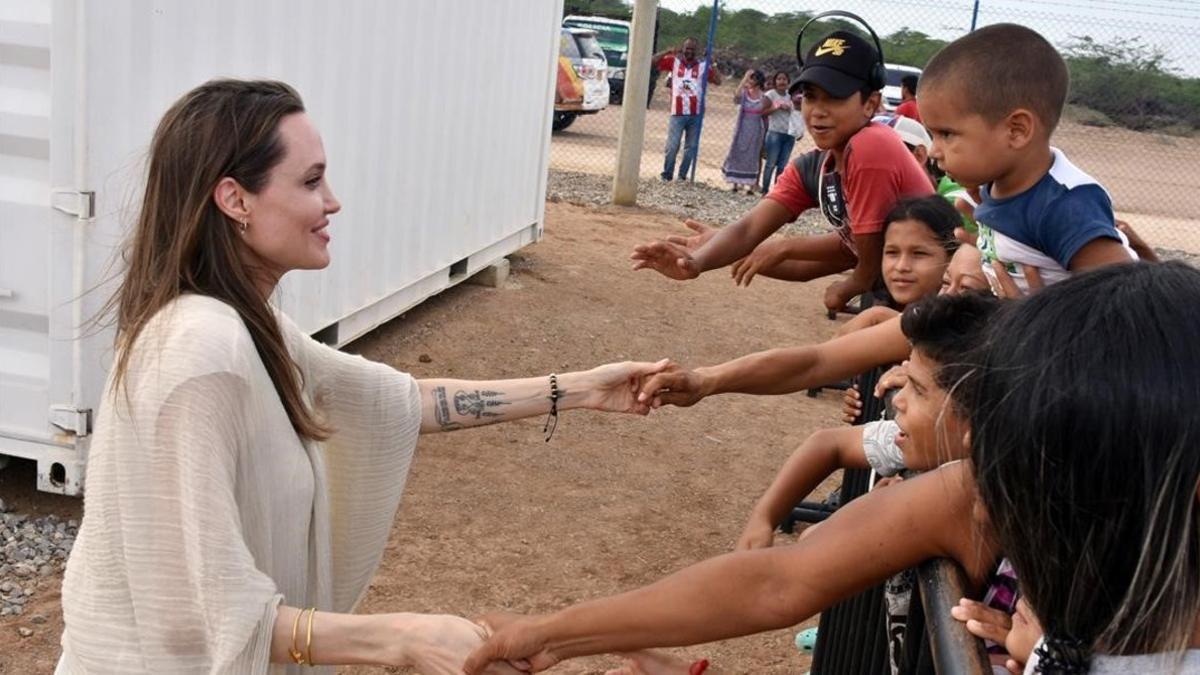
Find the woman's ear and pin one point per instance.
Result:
(230, 198)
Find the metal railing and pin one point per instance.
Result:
(853, 635)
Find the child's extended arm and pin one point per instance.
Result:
(818, 456)
(872, 316)
(726, 245)
(866, 541)
(794, 259)
(782, 371)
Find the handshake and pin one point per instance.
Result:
(639, 387)
(499, 644)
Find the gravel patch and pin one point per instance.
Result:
(31, 550)
(709, 204)
(698, 201)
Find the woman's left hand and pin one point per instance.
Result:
(614, 387)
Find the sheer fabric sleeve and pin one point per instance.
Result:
(196, 601)
(375, 412)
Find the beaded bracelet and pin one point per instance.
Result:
(554, 396)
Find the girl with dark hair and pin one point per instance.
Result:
(243, 478)
(918, 243)
(1084, 439)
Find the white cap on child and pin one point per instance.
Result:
(911, 131)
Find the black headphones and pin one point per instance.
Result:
(877, 78)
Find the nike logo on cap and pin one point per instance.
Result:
(835, 46)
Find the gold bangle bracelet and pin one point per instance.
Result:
(297, 657)
(308, 638)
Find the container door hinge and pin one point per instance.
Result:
(81, 204)
(69, 418)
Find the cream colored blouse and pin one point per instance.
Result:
(204, 509)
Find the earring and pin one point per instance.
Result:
(243, 226)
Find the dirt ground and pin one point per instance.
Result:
(1152, 177)
(496, 518)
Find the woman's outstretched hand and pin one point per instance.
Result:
(614, 387)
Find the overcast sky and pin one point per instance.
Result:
(1173, 25)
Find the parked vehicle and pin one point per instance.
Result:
(583, 87)
(77, 116)
(613, 35)
(891, 91)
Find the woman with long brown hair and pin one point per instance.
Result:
(243, 478)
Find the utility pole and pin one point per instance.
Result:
(633, 113)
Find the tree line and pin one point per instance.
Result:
(1124, 82)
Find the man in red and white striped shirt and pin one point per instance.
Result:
(686, 73)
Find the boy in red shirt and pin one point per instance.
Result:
(855, 176)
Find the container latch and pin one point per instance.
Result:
(69, 418)
(81, 204)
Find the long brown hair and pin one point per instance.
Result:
(183, 243)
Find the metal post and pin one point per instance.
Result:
(974, 16)
(708, 46)
(633, 113)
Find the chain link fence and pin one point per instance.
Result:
(1132, 121)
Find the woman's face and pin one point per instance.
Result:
(832, 121)
(287, 227)
(914, 261)
(965, 272)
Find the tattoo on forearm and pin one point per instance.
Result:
(441, 410)
(476, 403)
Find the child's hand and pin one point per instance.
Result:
(1139, 245)
(764, 256)
(837, 295)
(758, 533)
(692, 243)
(992, 624)
(895, 378)
(1025, 633)
(667, 259)
(983, 621)
(851, 405)
(964, 237)
(1009, 289)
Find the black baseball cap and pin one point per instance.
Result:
(840, 63)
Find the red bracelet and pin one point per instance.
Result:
(698, 667)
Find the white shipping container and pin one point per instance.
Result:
(436, 123)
